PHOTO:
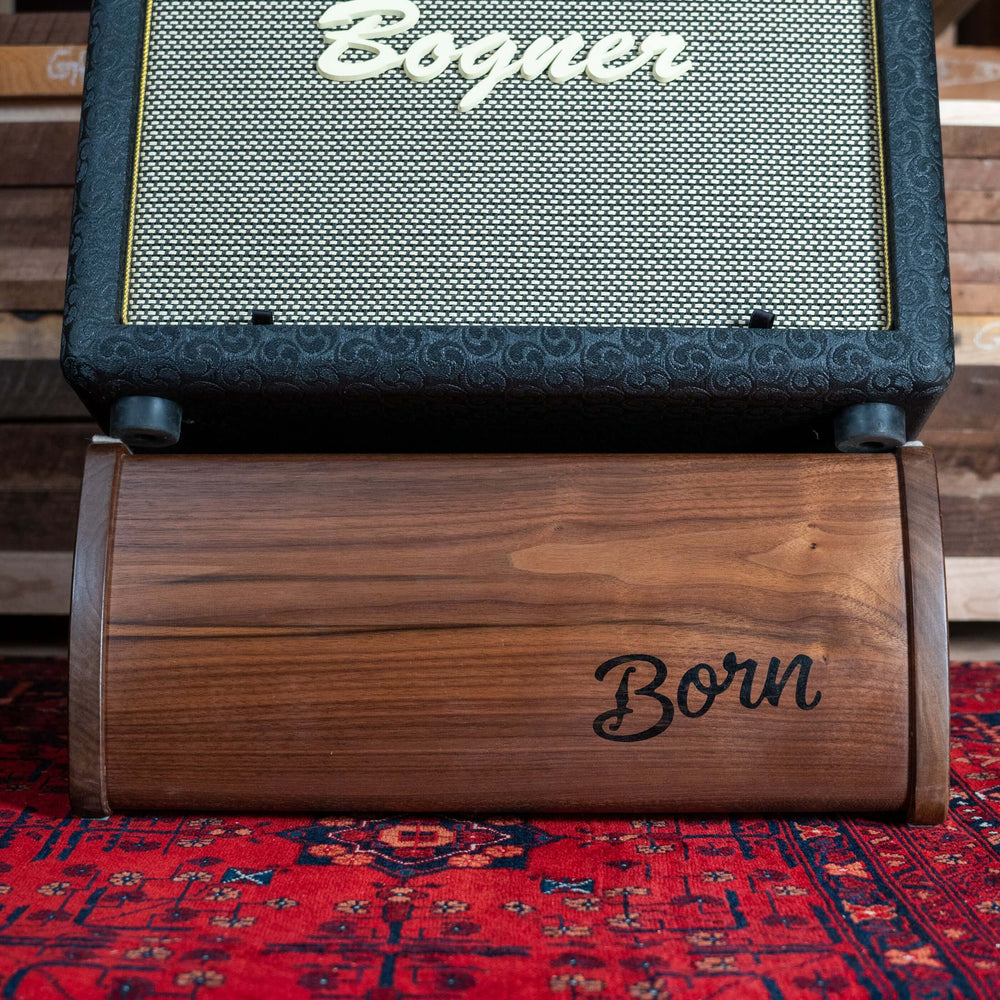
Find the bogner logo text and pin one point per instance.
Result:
(358, 26)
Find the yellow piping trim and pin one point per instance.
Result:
(887, 263)
(135, 165)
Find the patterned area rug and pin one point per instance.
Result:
(393, 908)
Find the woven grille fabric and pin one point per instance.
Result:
(753, 181)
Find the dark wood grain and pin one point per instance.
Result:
(44, 29)
(38, 520)
(928, 625)
(33, 278)
(87, 641)
(41, 469)
(35, 583)
(973, 206)
(36, 390)
(415, 633)
(976, 266)
(33, 336)
(974, 236)
(947, 12)
(35, 216)
(964, 429)
(968, 73)
(981, 26)
(976, 299)
(970, 140)
(971, 524)
(39, 153)
(34, 241)
(974, 174)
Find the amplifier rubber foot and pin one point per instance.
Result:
(870, 427)
(146, 421)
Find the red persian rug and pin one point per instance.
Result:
(393, 908)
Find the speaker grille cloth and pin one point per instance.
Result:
(752, 181)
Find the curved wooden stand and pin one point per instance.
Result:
(616, 633)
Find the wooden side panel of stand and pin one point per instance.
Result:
(930, 706)
(423, 633)
(87, 653)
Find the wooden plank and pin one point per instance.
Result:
(971, 236)
(969, 72)
(41, 470)
(964, 431)
(88, 639)
(35, 217)
(62, 109)
(973, 588)
(967, 140)
(38, 457)
(34, 279)
(38, 583)
(971, 525)
(42, 70)
(974, 206)
(974, 641)
(977, 340)
(44, 29)
(971, 403)
(947, 12)
(23, 339)
(981, 26)
(971, 174)
(38, 153)
(977, 114)
(975, 299)
(34, 240)
(38, 520)
(36, 390)
(969, 266)
(35, 583)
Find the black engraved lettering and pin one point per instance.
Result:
(709, 689)
(608, 724)
(704, 680)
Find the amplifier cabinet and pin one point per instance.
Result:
(413, 224)
(478, 633)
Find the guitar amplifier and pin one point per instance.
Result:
(422, 224)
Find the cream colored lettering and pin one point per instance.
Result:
(359, 26)
(362, 36)
(492, 59)
(607, 50)
(440, 47)
(665, 69)
(554, 59)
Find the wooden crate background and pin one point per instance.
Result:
(44, 428)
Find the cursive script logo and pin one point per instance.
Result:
(706, 684)
(68, 63)
(364, 24)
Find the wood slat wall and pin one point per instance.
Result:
(43, 427)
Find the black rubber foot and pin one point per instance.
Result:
(870, 427)
(146, 421)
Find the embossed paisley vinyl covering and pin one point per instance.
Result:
(752, 180)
